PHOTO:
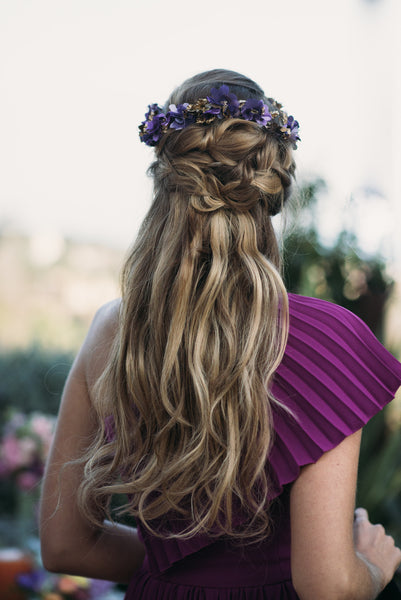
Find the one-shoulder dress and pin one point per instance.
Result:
(335, 376)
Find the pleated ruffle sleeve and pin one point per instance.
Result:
(334, 377)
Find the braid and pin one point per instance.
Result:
(232, 164)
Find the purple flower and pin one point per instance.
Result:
(214, 111)
(257, 111)
(151, 129)
(32, 581)
(293, 127)
(178, 117)
(154, 109)
(223, 99)
(220, 104)
(99, 587)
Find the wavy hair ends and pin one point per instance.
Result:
(203, 327)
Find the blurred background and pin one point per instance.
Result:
(75, 81)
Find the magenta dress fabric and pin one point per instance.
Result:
(334, 376)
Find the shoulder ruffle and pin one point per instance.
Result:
(334, 377)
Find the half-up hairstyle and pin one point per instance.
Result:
(203, 327)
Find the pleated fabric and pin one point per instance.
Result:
(334, 377)
(150, 587)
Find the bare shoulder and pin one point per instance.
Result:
(106, 318)
(98, 343)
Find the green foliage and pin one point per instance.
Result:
(340, 273)
(379, 486)
(32, 380)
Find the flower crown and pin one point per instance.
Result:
(221, 104)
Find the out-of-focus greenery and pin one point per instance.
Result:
(342, 274)
(379, 486)
(338, 272)
(32, 380)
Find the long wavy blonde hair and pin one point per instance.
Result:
(203, 327)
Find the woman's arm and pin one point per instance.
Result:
(69, 544)
(331, 556)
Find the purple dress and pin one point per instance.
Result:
(334, 376)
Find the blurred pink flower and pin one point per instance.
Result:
(43, 427)
(28, 451)
(24, 447)
(11, 455)
(27, 480)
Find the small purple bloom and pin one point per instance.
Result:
(32, 581)
(293, 126)
(214, 111)
(222, 97)
(154, 129)
(99, 587)
(257, 111)
(151, 129)
(178, 117)
(154, 109)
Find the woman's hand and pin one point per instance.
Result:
(375, 548)
(333, 556)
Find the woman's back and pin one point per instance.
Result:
(228, 412)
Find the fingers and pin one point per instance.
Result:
(375, 546)
(361, 514)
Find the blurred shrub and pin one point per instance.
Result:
(379, 484)
(32, 380)
(342, 274)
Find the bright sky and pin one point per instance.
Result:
(76, 77)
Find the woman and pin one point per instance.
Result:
(229, 412)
